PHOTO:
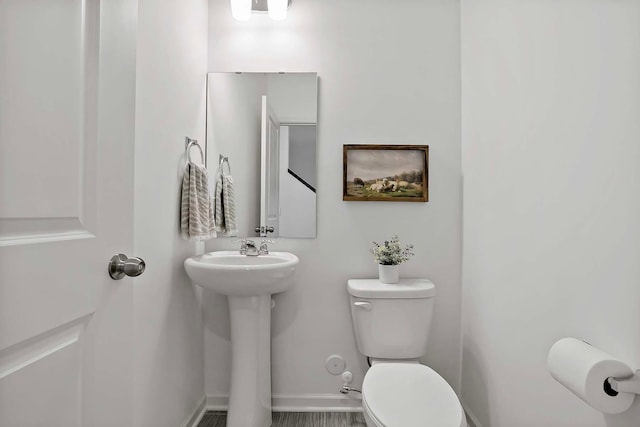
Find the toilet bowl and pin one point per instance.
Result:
(409, 395)
(391, 324)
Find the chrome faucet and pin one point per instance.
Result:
(248, 248)
(264, 249)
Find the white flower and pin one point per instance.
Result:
(390, 252)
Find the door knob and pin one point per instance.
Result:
(263, 229)
(121, 265)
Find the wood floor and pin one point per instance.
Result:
(295, 419)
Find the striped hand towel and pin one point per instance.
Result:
(225, 206)
(196, 218)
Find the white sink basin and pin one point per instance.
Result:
(232, 274)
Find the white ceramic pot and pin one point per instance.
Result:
(389, 273)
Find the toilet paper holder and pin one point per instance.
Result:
(623, 385)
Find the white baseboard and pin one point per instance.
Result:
(196, 415)
(297, 403)
(316, 403)
(470, 416)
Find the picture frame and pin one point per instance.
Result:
(385, 173)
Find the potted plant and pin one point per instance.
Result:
(389, 255)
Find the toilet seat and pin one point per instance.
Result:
(410, 395)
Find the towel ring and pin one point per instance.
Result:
(223, 160)
(190, 143)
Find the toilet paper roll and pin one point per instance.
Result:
(583, 369)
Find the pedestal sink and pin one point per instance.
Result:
(249, 282)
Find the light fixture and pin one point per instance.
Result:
(241, 9)
(277, 9)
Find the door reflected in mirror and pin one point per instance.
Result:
(265, 123)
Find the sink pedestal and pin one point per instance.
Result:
(250, 395)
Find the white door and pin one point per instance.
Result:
(67, 87)
(269, 178)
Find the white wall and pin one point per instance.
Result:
(170, 104)
(387, 74)
(551, 100)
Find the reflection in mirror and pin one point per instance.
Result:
(265, 123)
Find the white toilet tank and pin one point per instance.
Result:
(392, 321)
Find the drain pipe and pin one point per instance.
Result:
(347, 376)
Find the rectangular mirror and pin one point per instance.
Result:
(265, 124)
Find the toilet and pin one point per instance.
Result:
(391, 324)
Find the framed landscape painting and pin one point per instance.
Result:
(389, 173)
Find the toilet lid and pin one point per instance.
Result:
(410, 395)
